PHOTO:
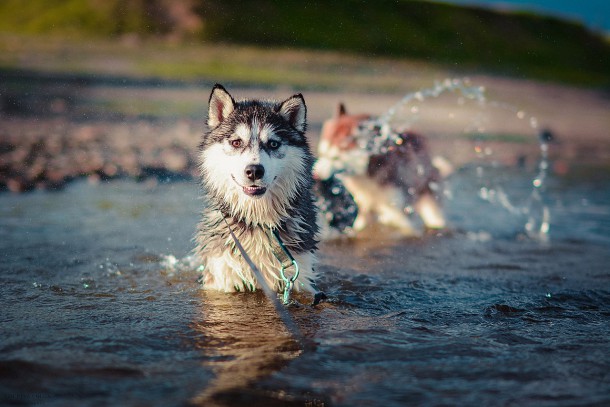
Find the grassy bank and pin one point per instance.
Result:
(236, 65)
(522, 45)
(457, 38)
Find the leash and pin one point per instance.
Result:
(282, 254)
(281, 310)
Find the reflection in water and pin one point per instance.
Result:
(244, 341)
(91, 316)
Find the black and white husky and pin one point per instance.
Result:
(256, 169)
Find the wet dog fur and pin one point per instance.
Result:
(256, 173)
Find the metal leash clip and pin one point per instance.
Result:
(289, 282)
(282, 254)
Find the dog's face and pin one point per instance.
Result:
(255, 152)
(338, 131)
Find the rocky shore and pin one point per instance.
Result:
(64, 131)
(47, 153)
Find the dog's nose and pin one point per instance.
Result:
(255, 171)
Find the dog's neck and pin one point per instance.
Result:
(240, 223)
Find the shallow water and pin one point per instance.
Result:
(96, 312)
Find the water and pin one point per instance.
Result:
(100, 306)
(470, 116)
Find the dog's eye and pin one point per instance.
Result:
(236, 143)
(274, 145)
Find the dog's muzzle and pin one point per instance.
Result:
(252, 190)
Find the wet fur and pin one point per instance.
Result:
(287, 205)
(382, 184)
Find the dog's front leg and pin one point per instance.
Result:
(225, 273)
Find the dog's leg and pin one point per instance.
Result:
(307, 274)
(389, 205)
(364, 192)
(225, 273)
(390, 215)
(430, 211)
(362, 220)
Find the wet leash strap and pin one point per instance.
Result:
(281, 310)
(282, 254)
(286, 260)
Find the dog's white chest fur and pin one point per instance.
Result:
(228, 271)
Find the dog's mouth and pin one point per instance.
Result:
(254, 190)
(251, 190)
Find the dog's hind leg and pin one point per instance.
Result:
(430, 211)
(392, 216)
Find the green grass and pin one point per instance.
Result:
(76, 17)
(501, 137)
(462, 39)
(232, 64)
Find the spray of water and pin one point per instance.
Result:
(379, 134)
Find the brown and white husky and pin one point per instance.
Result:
(385, 185)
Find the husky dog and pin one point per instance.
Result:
(382, 184)
(256, 171)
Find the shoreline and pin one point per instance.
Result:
(109, 129)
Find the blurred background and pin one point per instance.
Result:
(134, 75)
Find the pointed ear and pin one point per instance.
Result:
(221, 105)
(294, 111)
(340, 110)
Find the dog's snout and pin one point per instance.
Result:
(255, 171)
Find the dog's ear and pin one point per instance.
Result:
(221, 105)
(340, 110)
(294, 111)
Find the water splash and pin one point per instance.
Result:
(381, 134)
(171, 264)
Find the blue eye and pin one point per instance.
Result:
(274, 145)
